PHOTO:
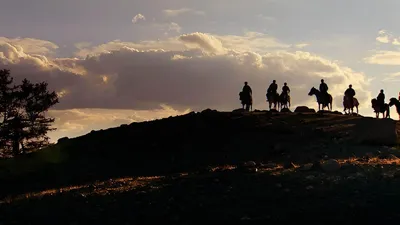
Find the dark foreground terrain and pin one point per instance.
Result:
(212, 168)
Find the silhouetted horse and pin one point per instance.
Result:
(246, 101)
(321, 101)
(379, 109)
(272, 99)
(284, 101)
(347, 105)
(394, 101)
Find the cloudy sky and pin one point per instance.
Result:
(120, 61)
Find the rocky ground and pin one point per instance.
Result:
(212, 167)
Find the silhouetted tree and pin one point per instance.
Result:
(24, 125)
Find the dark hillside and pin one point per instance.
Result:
(206, 144)
(197, 140)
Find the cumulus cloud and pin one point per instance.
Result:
(128, 78)
(250, 41)
(177, 12)
(138, 18)
(170, 44)
(385, 37)
(164, 27)
(384, 58)
(31, 45)
(204, 41)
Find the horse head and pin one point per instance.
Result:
(312, 91)
(393, 101)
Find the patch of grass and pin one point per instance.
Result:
(223, 195)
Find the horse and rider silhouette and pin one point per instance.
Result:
(278, 100)
(379, 105)
(246, 97)
(324, 99)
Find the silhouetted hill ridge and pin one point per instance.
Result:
(195, 141)
(211, 134)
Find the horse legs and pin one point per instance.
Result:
(388, 112)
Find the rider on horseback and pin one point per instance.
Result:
(323, 88)
(285, 90)
(381, 99)
(247, 89)
(245, 95)
(272, 89)
(350, 93)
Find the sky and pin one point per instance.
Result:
(123, 61)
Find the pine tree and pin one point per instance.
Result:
(24, 125)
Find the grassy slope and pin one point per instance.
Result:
(72, 181)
